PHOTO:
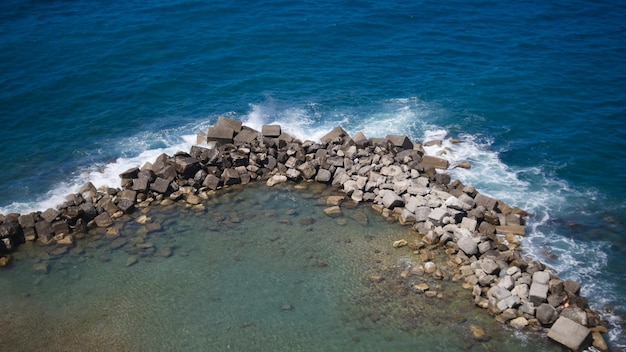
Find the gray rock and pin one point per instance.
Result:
(538, 293)
(571, 287)
(506, 282)
(231, 177)
(220, 134)
(407, 217)
(437, 215)
(126, 205)
(421, 214)
(50, 214)
(246, 135)
(546, 314)
(570, 334)
(485, 201)
(271, 131)
(323, 176)
(103, 220)
(468, 246)
(556, 286)
(576, 314)
(521, 291)
(542, 277)
(336, 133)
(400, 141)
(293, 174)
(436, 162)
(160, 185)
(391, 200)
(27, 220)
(469, 224)
(211, 182)
(490, 266)
(233, 124)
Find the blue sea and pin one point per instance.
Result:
(535, 90)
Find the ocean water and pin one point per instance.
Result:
(534, 89)
(257, 270)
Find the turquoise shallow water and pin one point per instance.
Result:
(258, 270)
(534, 89)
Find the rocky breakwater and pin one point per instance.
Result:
(479, 233)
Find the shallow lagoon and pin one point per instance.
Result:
(259, 269)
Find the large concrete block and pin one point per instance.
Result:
(570, 334)
(400, 141)
(436, 162)
(337, 132)
(538, 293)
(221, 134)
(271, 131)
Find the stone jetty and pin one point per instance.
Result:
(479, 233)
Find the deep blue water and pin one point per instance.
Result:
(535, 88)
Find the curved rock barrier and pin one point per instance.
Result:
(478, 232)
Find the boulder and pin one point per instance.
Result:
(538, 293)
(308, 170)
(437, 215)
(391, 200)
(336, 133)
(271, 131)
(571, 287)
(467, 245)
(570, 334)
(211, 182)
(436, 162)
(487, 202)
(233, 124)
(546, 314)
(186, 165)
(27, 220)
(44, 231)
(220, 134)
(542, 277)
(103, 220)
(50, 214)
(276, 179)
(519, 230)
(333, 211)
(126, 205)
(323, 176)
(400, 141)
(360, 140)
(246, 135)
(231, 177)
(160, 185)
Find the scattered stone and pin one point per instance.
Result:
(376, 278)
(143, 219)
(333, 211)
(5, 260)
(519, 323)
(276, 179)
(400, 243)
(546, 314)
(599, 342)
(131, 260)
(103, 220)
(335, 200)
(479, 333)
(421, 287)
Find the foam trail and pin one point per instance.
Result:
(104, 175)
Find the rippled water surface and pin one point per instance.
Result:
(257, 270)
